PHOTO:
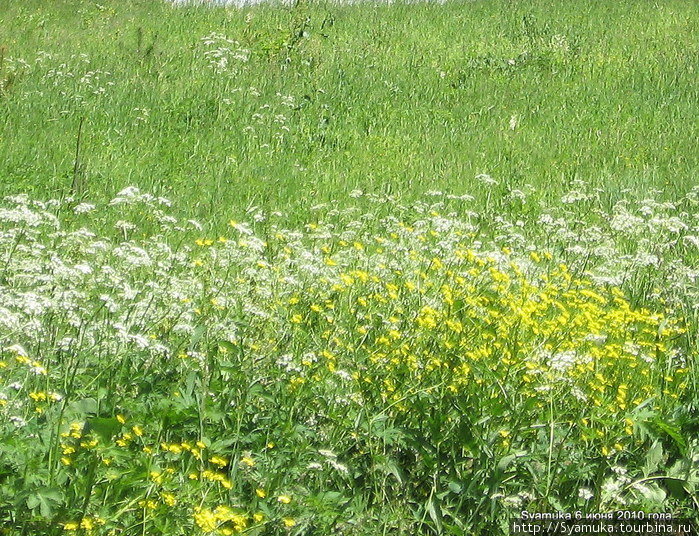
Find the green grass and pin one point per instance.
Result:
(401, 99)
(445, 268)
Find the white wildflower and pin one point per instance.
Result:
(585, 494)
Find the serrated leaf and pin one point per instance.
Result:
(653, 493)
(53, 494)
(653, 458)
(680, 469)
(390, 467)
(45, 499)
(673, 432)
(45, 509)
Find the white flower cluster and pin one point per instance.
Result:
(224, 54)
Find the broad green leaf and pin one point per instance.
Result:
(106, 428)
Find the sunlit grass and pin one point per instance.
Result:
(359, 270)
(399, 99)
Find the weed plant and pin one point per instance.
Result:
(364, 269)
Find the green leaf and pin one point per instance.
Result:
(680, 469)
(556, 504)
(505, 462)
(677, 489)
(86, 406)
(33, 501)
(435, 513)
(228, 347)
(454, 487)
(673, 432)
(390, 467)
(653, 458)
(218, 446)
(46, 499)
(196, 337)
(653, 493)
(106, 428)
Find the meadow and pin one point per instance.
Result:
(356, 270)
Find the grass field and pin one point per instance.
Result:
(355, 270)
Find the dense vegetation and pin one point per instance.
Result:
(399, 269)
(303, 105)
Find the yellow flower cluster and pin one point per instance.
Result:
(480, 322)
(221, 478)
(221, 520)
(87, 524)
(185, 446)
